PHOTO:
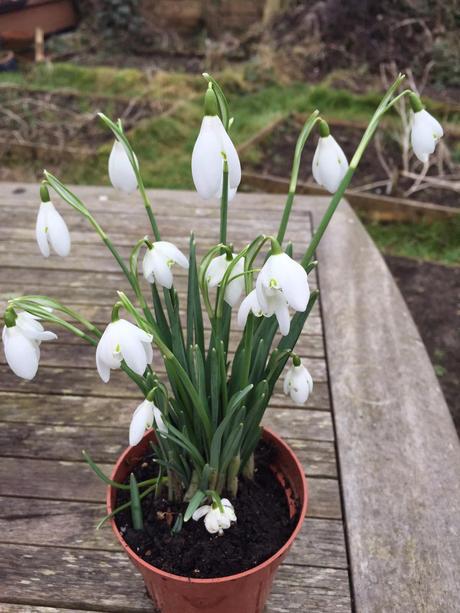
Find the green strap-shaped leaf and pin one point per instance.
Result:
(193, 505)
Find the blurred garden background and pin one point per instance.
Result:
(141, 60)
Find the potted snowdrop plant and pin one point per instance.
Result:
(205, 501)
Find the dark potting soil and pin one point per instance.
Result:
(263, 526)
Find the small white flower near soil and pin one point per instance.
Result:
(215, 520)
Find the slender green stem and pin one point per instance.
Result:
(384, 105)
(224, 205)
(301, 141)
(148, 207)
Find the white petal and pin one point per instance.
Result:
(201, 511)
(211, 522)
(250, 303)
(216, 270)
(262, 283)
(282, 315)
(292, 280)
(102, 368)
(141, 420)
(207, 161)
(21, 353)
(315, 163)
(287, 381)
(161, 271)
(121, 173)
(233, 291)
(160, 424)
(133, 353)
(41, 229)
(171, 252)
(127, 327)
(147, 266)
(234, 166)
(58, 233)
(148, 351)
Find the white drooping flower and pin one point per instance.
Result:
(329, 163)
(282, 282)
(212, 144)
(21, 344)
(214, 519)
(158, 261)
(121, 173)
(298, 383)
(51, 230)
(142, 419)
(425, 133)
(216, 271)
(122, 340)
(275, 304)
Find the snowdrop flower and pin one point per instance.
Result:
(426, 130)
(329, 162)
(51, 229)
(298, 383)
(215, 273)
(158, 260)
(212, 146)
(142, 419)
(282, 282)
(123, 340)
(214, 519)
(275, 304)
(21, 337)
(121, 173)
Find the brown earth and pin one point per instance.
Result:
(432, 293)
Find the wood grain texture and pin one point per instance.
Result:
(74, 481)
(105, 444)
(72, 578)
(320, 542)
(398, 449)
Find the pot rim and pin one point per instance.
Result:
(166, 575)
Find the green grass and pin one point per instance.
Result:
(164, 143)
(437, 241)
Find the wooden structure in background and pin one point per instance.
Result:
(21, 19)
(376, 438)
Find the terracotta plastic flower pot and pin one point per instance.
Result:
(244, 592)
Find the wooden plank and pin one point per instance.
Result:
(107, 581)
(57, 355)
(72, 525)
(86, 382)
(398, 449)
(100, 315)
(63, 442)
(74, 481)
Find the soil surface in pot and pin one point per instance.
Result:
(263, 526)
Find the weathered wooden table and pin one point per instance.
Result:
(376, 440)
